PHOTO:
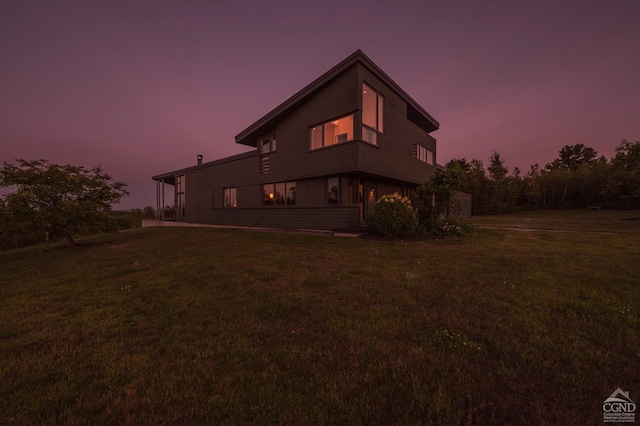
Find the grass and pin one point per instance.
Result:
(199, 325)
(567, 220)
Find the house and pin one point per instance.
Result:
(320, 160)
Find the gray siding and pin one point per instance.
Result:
(385, 166)
(293, 158)
(393, 156)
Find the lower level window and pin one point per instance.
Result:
(230, 197)
(279, 194)
(333, 190)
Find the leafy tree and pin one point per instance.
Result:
(56, 200)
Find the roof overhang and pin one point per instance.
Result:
(250, 134)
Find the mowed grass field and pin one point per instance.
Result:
(211, 326)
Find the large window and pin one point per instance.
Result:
(279, 194)
(180, 198)
(333, 190)
(331, 132)
(230, 197)
(424, 154)
(372, 114)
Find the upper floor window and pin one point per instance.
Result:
(267, 145)
(372, 114)
(424, 154)
(230, 197)
(331, 132)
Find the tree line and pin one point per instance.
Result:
(577, 178)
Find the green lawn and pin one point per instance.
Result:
(200, 325)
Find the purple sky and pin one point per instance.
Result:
(142, 87)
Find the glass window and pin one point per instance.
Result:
(291, 193)
(380, 113)
(333, 190)
(180, 198)
(267, 145)
(331, 132)
(369, 135)
(279, 194)
(268, 194)
(372, 114)
(424, 154)
(369, 107)
(230, 197)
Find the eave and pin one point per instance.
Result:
(250, 134)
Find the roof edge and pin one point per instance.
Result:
(318, 83)
(182, 171)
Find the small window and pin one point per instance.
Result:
(333, 190)
(267, 145)
(425, 155)
(230, 198)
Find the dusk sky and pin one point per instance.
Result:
(142, 87)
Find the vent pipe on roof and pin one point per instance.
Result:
(199, 159)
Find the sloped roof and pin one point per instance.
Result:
(170, 175)
(251, 133)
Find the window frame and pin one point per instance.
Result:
(180, 197)
(284, 200)
(329, 192)
(322, 133)
(425, 155)
(271, 142)
(367, 129)
(233, 197)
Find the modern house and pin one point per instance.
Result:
(321, 159)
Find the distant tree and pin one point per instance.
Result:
(497, 175)
(622, 189)
(572, 156)
(478, 186)
(148, 213)
(61, 201)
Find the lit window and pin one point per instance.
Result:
(372, 114)
(279, 194)
(331, 132)
(230, 197)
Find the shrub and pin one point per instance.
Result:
(393, 216)
(451, 227)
